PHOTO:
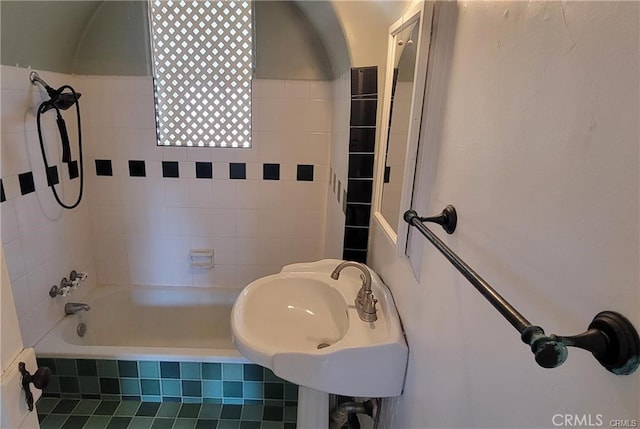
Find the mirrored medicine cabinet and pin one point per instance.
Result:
(407, 55)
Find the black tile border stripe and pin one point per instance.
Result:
(52, 176)
(204, 170)
(103, 167)
(304, 172)
(270, 171)
(27, 185)
(137, 168)
(237, 170)
(170, 169)
(74, 171)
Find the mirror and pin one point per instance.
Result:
(402, 83)
(402, 106)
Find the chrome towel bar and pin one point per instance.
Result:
(610, 337)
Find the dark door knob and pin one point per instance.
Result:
(40, 380)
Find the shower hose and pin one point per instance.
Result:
(65, 141)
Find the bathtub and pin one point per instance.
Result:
(148, 323)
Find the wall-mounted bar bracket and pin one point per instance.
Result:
(447, 219)
(611, 337)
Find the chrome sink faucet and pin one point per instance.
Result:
(365, 301)
(75, 307)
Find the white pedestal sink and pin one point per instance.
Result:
(303, 325)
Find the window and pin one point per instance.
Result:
(202, 59)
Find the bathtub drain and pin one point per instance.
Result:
(82, 329)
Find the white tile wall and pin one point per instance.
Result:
(144, 227)
(335, 217)
(42, 242)
(139, 230)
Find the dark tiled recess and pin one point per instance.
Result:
(137, 169)
(361, 166)
(305, 173)
(363, 113)
(204, 170)
(26, 183)
(3, 197)
(360, 191)
(356, 238)
(170, 169)
(271, 171)
(237, 170)
(355, 255)
(364, 104)
(52, 176)
(364, 81)
(104, 167)
(358, 214)
(362, 140)
(128, 368)
(169, 369)
(73, 169)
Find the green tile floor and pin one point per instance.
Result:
(54, 413)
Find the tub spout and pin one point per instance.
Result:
(76, 307)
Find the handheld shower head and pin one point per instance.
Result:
(59, 99)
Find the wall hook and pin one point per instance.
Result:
(40, 380)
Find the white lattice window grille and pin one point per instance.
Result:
(202, 55)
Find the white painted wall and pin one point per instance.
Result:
(539, 153)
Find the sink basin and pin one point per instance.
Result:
(304, 326)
